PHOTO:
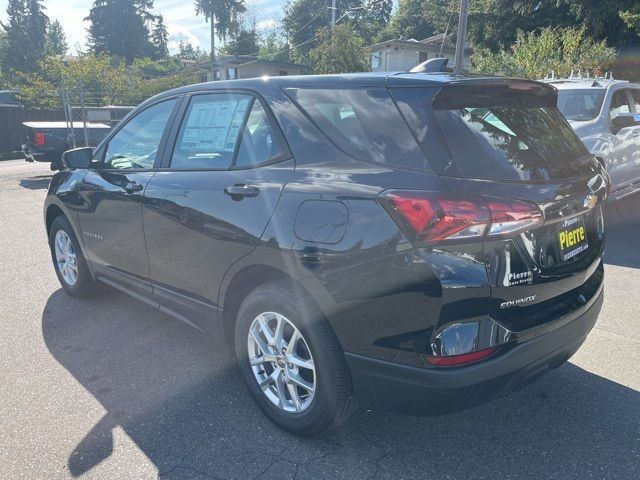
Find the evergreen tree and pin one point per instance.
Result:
(56, 40)
(245, 42)
(274, 47)
(160, 38)
(119, 27)
(351, 56)
(223, 17)
(378, 12)
(186, 50)
(26, 33)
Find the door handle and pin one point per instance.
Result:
(240, 190)
(132, 187)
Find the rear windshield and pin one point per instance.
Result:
(364, 123)
(580, 105)
(524, 140)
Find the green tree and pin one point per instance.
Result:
(378, 12)
(494, 24)
(245, 42)
(223, 17)
(105, 80)
(303, 19)
(417, 19)
(631, 18)
(119, 27)
(274, 47)
(56, 43)
(26, 31)
(535, 54)
(606, 19)
(340, 51)
(160, 38)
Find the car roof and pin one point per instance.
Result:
(588, 83)
(366, 79)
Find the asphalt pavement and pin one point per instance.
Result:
(109, 388)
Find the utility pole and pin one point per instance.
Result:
(462, 34)
(333, 28)
(213, 49)
(333, 13)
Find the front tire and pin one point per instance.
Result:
(68, 260)
(291, 360)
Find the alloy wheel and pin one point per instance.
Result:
(66, 260)
(281, 362)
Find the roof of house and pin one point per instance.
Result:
(237, 60)
(430, 42)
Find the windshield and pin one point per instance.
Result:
(580, 105)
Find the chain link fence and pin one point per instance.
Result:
(88, 119)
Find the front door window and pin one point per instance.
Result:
(136, 144)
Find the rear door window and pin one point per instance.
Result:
(221, 131)
(363, 123)
(488, 138)
(210, 131)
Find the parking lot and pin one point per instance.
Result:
(110, 388)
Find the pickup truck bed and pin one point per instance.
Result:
(46, 141)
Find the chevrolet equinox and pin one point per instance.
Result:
(421, 240)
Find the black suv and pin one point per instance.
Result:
(424, 240)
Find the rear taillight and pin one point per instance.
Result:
(512, 216)
(39, 139)
(430, 218)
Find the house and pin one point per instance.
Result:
(231, 67)
(403, 55)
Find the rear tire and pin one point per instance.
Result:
(318, 360)
(68, 260)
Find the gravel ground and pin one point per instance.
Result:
(110, 388)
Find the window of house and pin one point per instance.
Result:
(231, 73)
(376, 59)
(283, 73)
(423, 57)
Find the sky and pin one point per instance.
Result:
(179, 16)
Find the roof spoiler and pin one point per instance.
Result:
(434, 65)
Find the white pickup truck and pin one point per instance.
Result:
(605, 113)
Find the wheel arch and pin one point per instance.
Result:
(53, 211)
(246, 279)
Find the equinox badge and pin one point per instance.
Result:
(513, 303)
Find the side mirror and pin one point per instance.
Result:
(625, 120)
(78, 157)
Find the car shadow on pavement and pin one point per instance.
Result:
(39, 182)
(622, 230)
(177, 394)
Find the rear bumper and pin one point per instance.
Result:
(32, 155)
(422, 391)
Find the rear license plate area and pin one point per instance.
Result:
(572, 238)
